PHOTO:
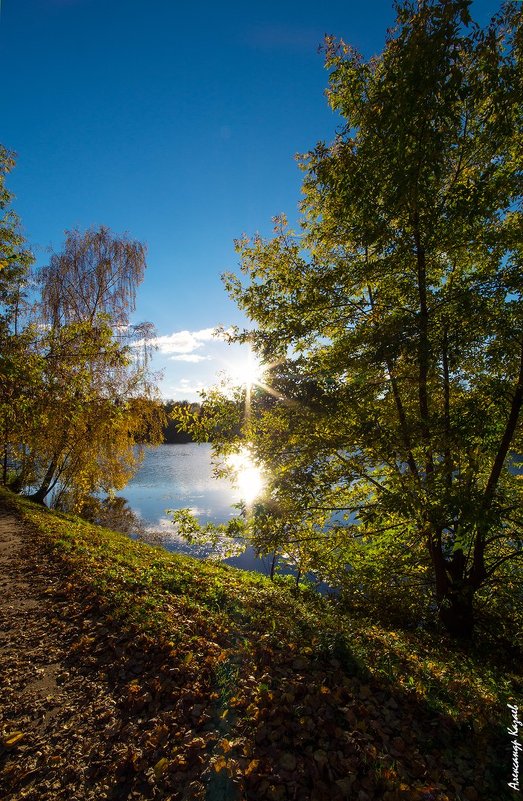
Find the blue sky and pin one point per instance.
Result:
(178, 123)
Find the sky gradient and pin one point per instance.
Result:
(175, 122)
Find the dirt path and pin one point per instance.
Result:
(47, 745)
(66, 732)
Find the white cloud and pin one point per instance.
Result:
(190, 357)
(206, 333)
(183, 341)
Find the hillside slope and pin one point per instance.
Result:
(127, 672)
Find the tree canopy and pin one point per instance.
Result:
(391, 324)
(17, 358)
(77, 392)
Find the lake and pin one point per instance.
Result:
(181, 476)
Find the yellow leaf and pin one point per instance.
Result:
(253, 764)
(13, 739)
(220, 764)
(161, 767)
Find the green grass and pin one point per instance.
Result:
(162, 594)
(269, 659)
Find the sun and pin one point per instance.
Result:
(249, 372)
(248, 476)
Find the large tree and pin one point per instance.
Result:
(394, 321)
(96, 397)
(76, 390)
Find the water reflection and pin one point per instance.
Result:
(181, 476)
(176, 476)
(248, 476)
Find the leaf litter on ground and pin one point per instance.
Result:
(139, 674)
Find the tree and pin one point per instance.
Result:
(97, 397)
(76, 390)
(18, 359)
(172, 434)
(394, 321)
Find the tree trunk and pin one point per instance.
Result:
(457, 612)
(273, 564)
(423, 354)
(4, 467)
(454, 590)
(506, 440)
(41, 493)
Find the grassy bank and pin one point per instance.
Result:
(239, 689)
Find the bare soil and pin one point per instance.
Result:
(66, 731)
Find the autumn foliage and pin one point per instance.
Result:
(224, 682)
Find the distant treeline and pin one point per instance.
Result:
(171, 433)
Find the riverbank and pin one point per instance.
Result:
(132, 673)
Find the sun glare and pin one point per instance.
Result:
(248, 477)
(248, 372)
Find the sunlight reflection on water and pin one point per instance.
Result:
(176, 476)
(181, 476)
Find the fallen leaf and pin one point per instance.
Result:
(161, 767)
(12, 739)
(220, 764)
(253, 764)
